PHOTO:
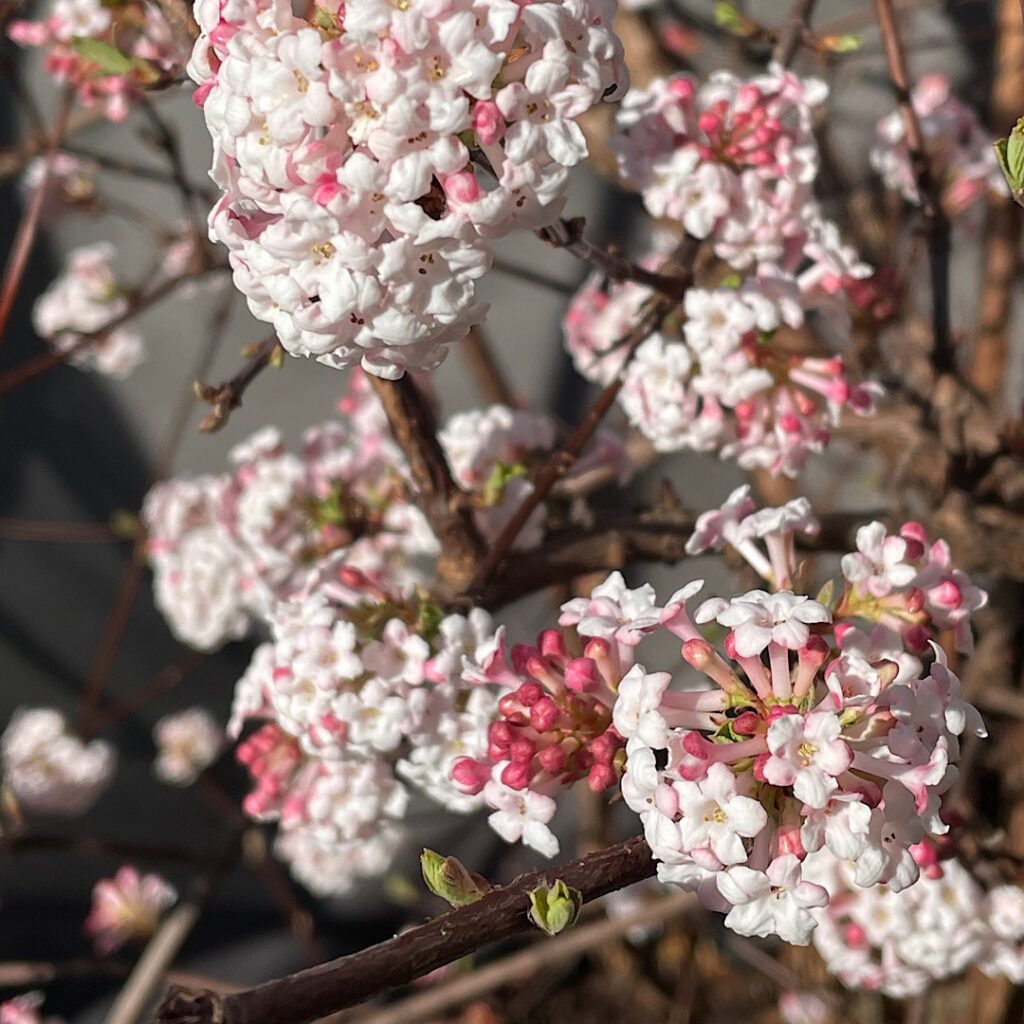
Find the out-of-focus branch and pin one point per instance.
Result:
(1003, 218)
(32, 840)
(319, 991)
(568, 235)
(620, 539)
(25, 371)
(796, 27)
(443, 502)
(25, 236)
(58, 532)
(225, 397)
(485, 369)
(935, 221)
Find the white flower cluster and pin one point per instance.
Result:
(48, 768)
(358, 690)
(370, 153)
(822, 729)
(898, 943)
(83, 300)
(732, 161)
(224, 548)
(187, 743)
(957, 146)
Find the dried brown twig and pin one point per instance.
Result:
(225, 397)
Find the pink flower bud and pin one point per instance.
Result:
(552, 644)
(516, 775)
(462, 187)
(469, 775)
(529, 693)
(522, 750)
(544, 714)
(600, 777)
(699, 653)
(553, 759)
(746, 724)
(581, 675)
(947, 595)
(488, 123)
(855, 935)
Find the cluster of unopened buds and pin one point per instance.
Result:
(957, 146)
(370, 152)
(732, 161)
(83, 301)
(108, 52)
(899, 943)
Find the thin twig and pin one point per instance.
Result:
(163, 682)
(936, 223)
(102, 846)
(151, 970)
(225, 397)
(534, 278)
(561, 461)
(21, 248)
(568, 235)
(319, 991)
(58, 532)
(796, 27)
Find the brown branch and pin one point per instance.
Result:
(528, 276)
(524, 965)
(225, 397)
(1003, 218)
(110, 639)
(21, 248)
(797, 25)
(163, 682)
(568, 235)
(58, 532)
(485, 368)
(319, 991)
(620, 539)
(936, 224)
(443, 502)
(682, 261)
(102, 846)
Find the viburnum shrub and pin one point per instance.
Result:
(784, 742)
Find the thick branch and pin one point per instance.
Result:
(560, 462)
(350, 980)
(935, 220)
(444, 504)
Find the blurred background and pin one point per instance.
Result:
(75, 447)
